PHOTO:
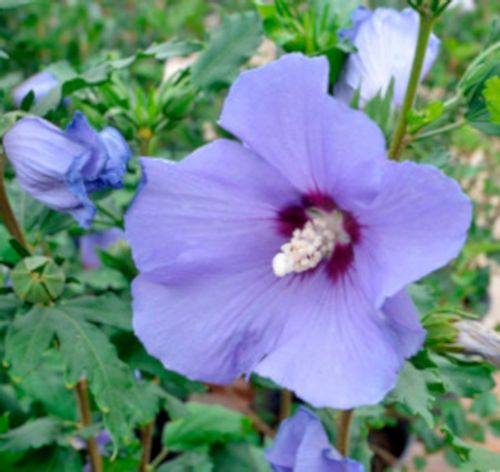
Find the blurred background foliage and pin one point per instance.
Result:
(158, 70)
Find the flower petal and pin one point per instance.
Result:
(218, 207)
(283, 113)
(340, 352)
(417, 224)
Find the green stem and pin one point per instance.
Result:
(424, 33)
(6, 213)
(443, 129)
(159, 458)
(344, 431)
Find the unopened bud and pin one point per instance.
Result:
(37, 280)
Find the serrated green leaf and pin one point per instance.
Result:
(412, 392)
(473, 458)
(28, 337)
(33, 435)
(228, 49)
(45, 385)
(464, 378)
(204, 425)
(87, 351)
(106, 309)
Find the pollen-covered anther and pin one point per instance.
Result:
(312, 244)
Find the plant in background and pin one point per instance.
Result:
(299, 254)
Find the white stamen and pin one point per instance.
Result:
(311, 244)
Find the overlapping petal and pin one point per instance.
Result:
(284, 114)
(220, 207)
(417, 223)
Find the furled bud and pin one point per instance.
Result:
(37, 279)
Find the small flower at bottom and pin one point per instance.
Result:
(60, 168)
(289, 254)
(302, 445)
(385, 40)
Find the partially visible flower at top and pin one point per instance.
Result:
(60, 168)
(288, 255)
(463, 5)
(385, 40)
(302, 445)
(102, 240)
(40, 83)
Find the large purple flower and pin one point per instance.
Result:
(385, 40)
(289, 255)
(60, 168)
(302, 445)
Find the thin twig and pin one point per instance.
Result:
(146, 440)
(82, 398)
(6, 213)
(344, 431)
(286, 400)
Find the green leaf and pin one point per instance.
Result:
(87, 351)
(32, 435)
(379, 108)
(473, 458)
(485, 405)
(28, 337)
(462, 377)
(190, 462)
(228, 49)
(45, 385)
(412, 392)
(51, 459)
(242, 457)
(491, 94)
(106, 309)
(3, 54)
(169, 49)
(205, 425)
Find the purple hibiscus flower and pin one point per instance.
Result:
(288, 255)
(102, 240)
(41, 84)
(60, 168)
(385, 40)
(302, 445)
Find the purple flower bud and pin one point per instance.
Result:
(40, 84)
(102, 240)
(386, 40)
(302, 445)
(60, 168)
